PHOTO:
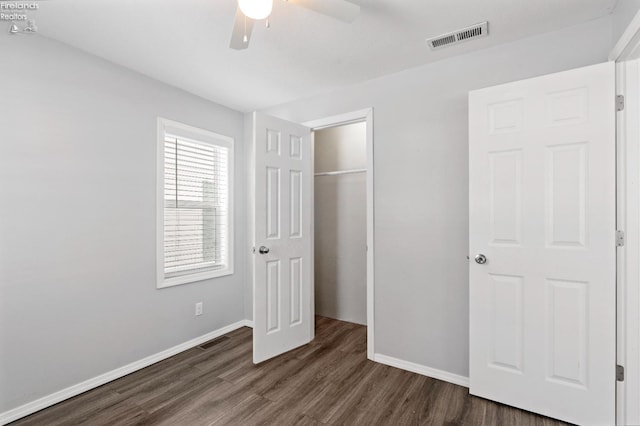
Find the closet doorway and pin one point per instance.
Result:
(340, 222)
(343, 219)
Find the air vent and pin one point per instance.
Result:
(455, 37)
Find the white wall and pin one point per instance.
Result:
(421, 183)
(78, 291)
(340, 221)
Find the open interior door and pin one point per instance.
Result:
(282, 260)
(542, 240)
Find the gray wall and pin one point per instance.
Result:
(421, 183)
(78, 293)
(340, 220)
(249, 161)
(622, 15)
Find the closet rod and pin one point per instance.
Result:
(342, 172)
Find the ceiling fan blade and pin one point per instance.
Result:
(242, 26)
(338, 9)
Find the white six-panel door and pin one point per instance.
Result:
(542, 212)
(282, 227)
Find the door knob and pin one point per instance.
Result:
(263, 250)
(481, 259)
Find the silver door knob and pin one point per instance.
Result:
(263, 250)
(481, 259)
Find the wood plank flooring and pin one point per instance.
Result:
(329, 381)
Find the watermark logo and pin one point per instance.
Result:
(30, 27)
(18, 14)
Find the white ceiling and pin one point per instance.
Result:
(185, 42)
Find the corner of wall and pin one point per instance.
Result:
(249, 184)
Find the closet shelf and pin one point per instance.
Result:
(341, 172)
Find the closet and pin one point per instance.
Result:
(341, 223)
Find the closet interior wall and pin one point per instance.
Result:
(341, 223)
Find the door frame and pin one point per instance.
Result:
(626, 54)
(364, 115)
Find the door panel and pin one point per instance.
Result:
(566, 191)
(542, 210)
(507, 321)
(282, 224)
(505, 171)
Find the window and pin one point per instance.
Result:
(195, 189)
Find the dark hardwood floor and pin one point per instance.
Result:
(329, 381)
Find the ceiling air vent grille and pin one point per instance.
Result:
(455, 37)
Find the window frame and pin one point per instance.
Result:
(203, 136)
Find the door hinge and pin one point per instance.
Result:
(619, 102)
(619, 238)
(253, 249)
(619, 373)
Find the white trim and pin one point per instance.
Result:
(341, 172)
(339, 120)
(422, 370)
(628, 42)
(628, 259)
(621, 252)
(312, 253)
(56, 397)
(247, 323)
(365, 115)
(370, 236)
(184, 130)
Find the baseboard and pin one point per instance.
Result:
(56, 397)
(422, 369)
(247, 323)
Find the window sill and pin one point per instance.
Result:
(191, 278)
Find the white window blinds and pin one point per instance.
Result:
(195, 229)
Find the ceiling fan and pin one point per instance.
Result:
(250, 11)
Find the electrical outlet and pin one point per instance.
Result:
(199, 308)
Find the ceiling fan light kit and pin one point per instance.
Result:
(249, 11)
(256, 9)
